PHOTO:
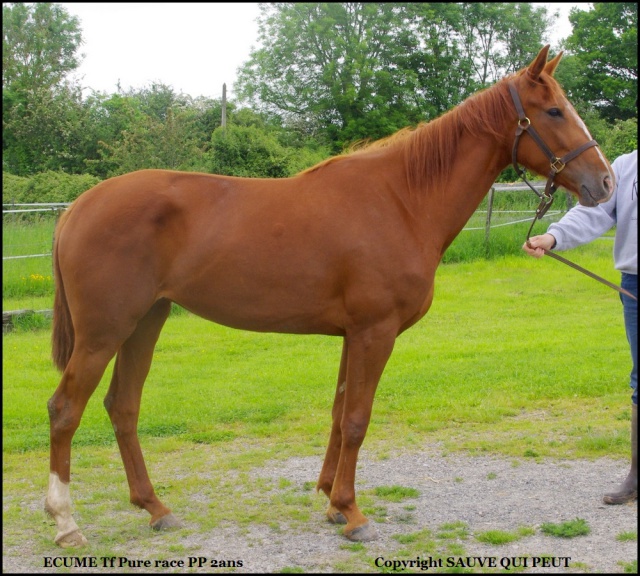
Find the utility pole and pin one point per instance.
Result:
(223, 121)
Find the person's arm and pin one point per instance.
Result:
(582, 225)
(579, 226)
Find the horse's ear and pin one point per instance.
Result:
(537, 66)
(551, 66)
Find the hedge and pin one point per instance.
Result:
(45, 187)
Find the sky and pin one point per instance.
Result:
(192, 47)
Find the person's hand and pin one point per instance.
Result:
(536, 245)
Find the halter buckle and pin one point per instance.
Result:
(524, 123)
(557, 165)
(545, 202)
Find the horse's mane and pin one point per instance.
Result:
(430, 148)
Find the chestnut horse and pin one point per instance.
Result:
(347, 248)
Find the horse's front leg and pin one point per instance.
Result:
(368, 352)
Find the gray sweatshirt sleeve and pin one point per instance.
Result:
(582, 225)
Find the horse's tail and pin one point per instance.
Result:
(62, 336)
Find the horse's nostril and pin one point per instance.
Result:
(608, 185)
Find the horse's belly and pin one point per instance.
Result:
(263, 312)
(262, 293)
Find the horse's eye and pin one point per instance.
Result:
(555, 112)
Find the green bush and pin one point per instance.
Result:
(247, 151)
(13, 188)
(46, 187)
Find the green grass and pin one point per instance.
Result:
(453, 530)
(629, 567)
(27, 277)
(396, 493)
(500, 537)
(511, 218)
(627, 536)
(568, 529)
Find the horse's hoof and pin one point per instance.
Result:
(166, 522)
(364, 533)
(74, 539)
(335, 516)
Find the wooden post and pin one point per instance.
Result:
(223, 120)
(487, 225)
(570, 202)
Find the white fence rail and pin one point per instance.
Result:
(25, 208)
(36, 207)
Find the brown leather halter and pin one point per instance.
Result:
(556, 166)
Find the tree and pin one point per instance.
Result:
(41, 111)
(247, 151)
(604, 42)
(500, 38)
(150, 128)
(463, 47)
(45, 129)
(334, 64)
(434, 57)
(364, 70)
(39, 45)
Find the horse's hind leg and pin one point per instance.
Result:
(79, 380)
(123, 405)
(328, 473)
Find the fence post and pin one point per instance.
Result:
(570, 202)
(487, 225)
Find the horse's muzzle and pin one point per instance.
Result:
(594, 195)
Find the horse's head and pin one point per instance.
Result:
(553, 140)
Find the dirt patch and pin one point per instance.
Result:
(479, 493)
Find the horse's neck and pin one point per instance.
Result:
(448, 205)
(478, 163)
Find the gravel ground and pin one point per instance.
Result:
(486, 493)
